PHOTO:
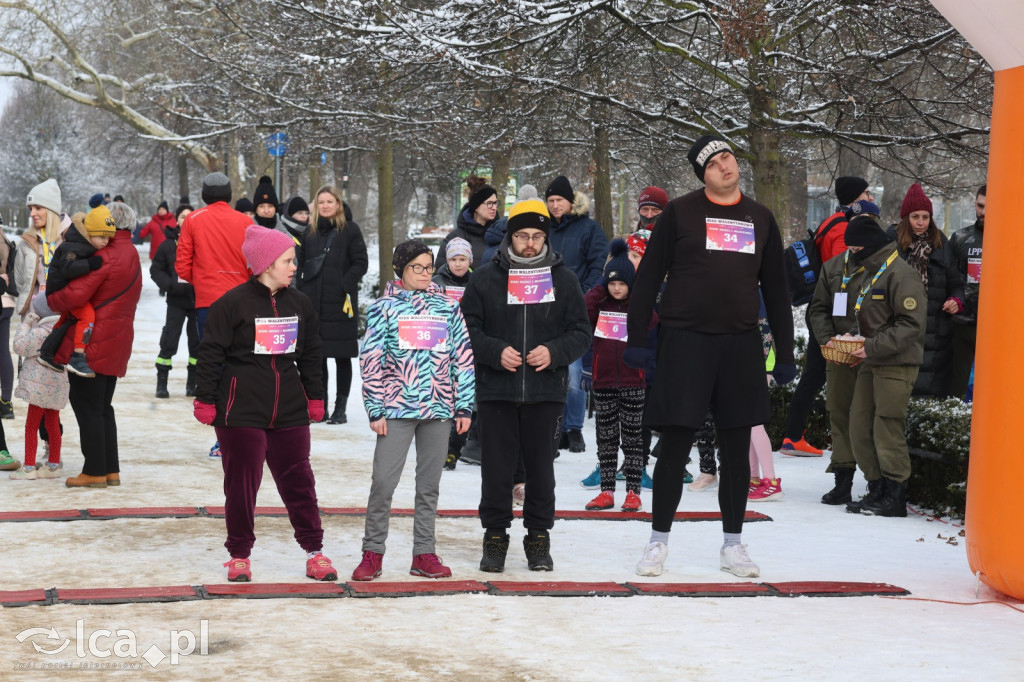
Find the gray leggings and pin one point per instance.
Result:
(388, 461)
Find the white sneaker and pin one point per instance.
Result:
(735, 560)
(653, 560)
(24, 474)
(49, 470)
(704, 482)
(519, 494)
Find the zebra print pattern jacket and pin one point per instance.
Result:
(408, 370)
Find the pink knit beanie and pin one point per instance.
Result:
(263, 246)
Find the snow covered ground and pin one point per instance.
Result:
(942, 632)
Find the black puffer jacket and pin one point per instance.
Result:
(258, 391)
(342, 269)
(966, 245)
(944, 282)
(470, 230)
(70, 260)
(180, 293)
(494, 324)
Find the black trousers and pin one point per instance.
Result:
(343, 382)
(507, 429)
(734, 476)
(811, 381)
(171, 334)
(91, 401)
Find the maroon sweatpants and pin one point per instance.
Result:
(286, 452)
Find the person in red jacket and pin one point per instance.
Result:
(154, 229)
(113, 290)
(830, 240)
(209, 255)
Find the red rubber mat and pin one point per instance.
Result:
(559, 589)
(702, 589)
(424, 587)
(218, 512)
(127, 595)
(55, 515)
(310, 590)
(836, 589)
(315, 590)
(145, 512)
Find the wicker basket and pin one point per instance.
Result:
(847, 345)
(837, 356)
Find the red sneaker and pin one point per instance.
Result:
(238, 570)
(632, 503)
(770, 489)
(320, 568)
(369, 567)
(755, 483)
(606, 500)
(429, 566)
(799, 448)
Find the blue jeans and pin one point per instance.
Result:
(576, 401)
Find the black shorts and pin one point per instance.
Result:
(697, 372)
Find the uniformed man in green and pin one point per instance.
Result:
(870, 291)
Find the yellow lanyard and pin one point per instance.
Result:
(867, 287)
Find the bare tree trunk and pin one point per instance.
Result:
(499, 177)
(385, 208)
(603, 181)
(854, 159)
(892, 197)
(183, 188)
(315, 179)
(797, 198)
(771, 180)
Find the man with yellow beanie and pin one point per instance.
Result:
(527, 323)
(75, 257)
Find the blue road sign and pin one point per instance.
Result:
(277, 144)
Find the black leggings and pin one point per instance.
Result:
(343, 383)
(734, 476)
(6, 363)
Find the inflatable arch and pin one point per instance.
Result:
(995, 519)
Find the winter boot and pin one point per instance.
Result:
(6, 409)
(161, 381)
(537, 545)
(78, 365)
(495, 549)
(893, 501)
(338, 416)
(840, 494)
(190, 381)
(876, 489)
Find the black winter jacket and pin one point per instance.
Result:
(494, 324)
(470, 230)
(966, 246)
(179, 293)
(70, 260)
(344, 267)
(944, 282)
(258, 391)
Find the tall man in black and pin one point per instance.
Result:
(527, 323)
(715, 245)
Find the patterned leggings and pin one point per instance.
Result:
(705, 442)
(620, 412)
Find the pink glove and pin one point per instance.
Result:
(204, 413)
(316, 410)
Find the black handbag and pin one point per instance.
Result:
(312, 266)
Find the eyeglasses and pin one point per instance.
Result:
(420, 269)
(523, 238)
(491, 204)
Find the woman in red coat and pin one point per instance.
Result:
(114, 291)
(154, 229)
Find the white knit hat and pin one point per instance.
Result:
(46, 194)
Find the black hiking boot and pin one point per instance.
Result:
(537, 545)
(161, 381)
(844, 485)
(876, 489)
(892, 502)
(190, 382)
(495, 549)
(576, 442)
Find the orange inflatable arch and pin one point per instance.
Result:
(995, 519)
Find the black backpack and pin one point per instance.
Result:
(803, 264)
